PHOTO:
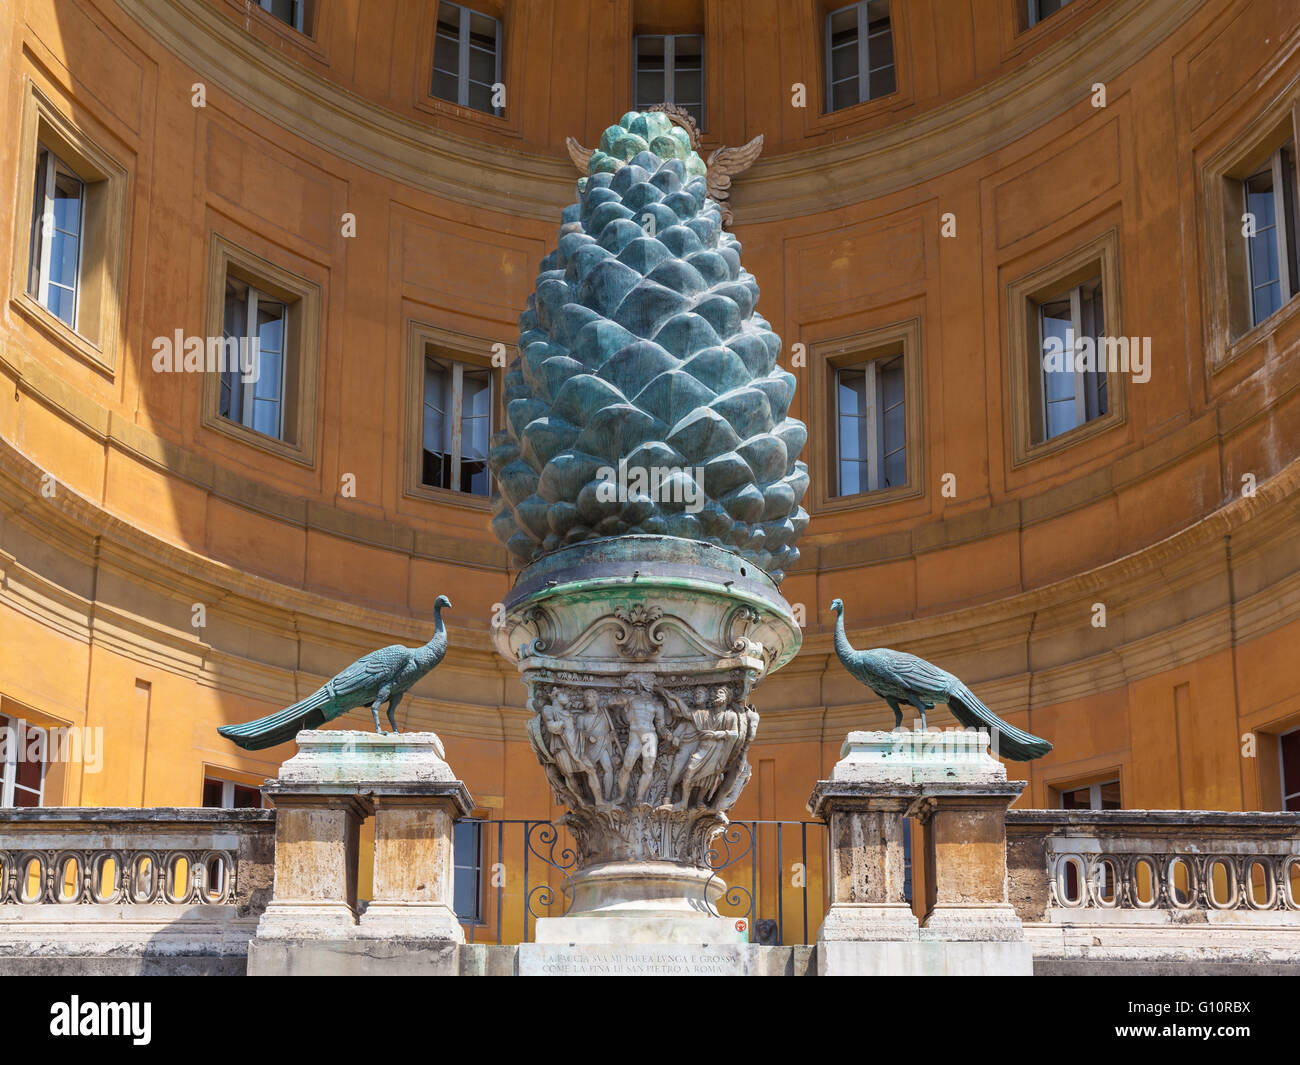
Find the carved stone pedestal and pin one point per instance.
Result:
(643, 902)
(640, 654)
(946, 782)
(316, 847)
(338, 778)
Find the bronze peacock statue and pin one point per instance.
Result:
(382, 676)
(898, 677)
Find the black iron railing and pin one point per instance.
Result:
(775, 874)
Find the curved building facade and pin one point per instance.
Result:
(949, 193)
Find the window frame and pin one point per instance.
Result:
(96, 338)
(300, 357)
(827, 357)
(1281, 768)
(1032, 16)
(1087, 384)
(228, 794)
(248, 396)
(1094, 792)
(9, 767)
(1286, 224)
(1227, 323)
(457, 418)
(864, 72)
(300, 24)
(874, 416)
(46, 187)
(1023, 359)
(453, 347)
(462, 57)
(669, 72)
(479, 917)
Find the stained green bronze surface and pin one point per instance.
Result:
(644, 363)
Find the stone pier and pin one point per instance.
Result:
(314, 923)
(947, 783)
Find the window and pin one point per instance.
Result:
(456, 426)
(872, 434)
(859, 54)
(290, 12)
(467, 863)
(254, 327)
(26, 749)
(227, 795)
(1100, 796)
(1072, 389)
(1270, 228)
(69, 237)
(466, 57)
(871, 442)
(1288, 746)
(670, 69)
(1032, 12)
(1251, 232)
(1103, 795)
(260, 361)
(57, 224)
(1068, 358)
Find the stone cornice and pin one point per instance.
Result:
(85, 533)
(464, 170)
(93, 535)
(1127, 579)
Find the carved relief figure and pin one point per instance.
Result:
(645, 726)
(700, 746)
(685, 734)
(732, 727)
(733, 781)
(601, 746)
(567, 743)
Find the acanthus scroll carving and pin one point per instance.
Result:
(641, 638)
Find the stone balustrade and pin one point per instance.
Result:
(175, 891)
(1156, 890)
(115, 891)
(124, 858)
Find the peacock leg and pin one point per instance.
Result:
(392, 709)
(898, 712)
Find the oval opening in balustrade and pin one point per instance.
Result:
(103, 878)
(1069, 880)
(31, 878)
(1292, 880)
(68, 879)
(214, 878)
(178, 878)
(1145, 879)
(1223, 885)
(1108, 881)
(144, 878)
(1180, 882)
(1263, 889)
